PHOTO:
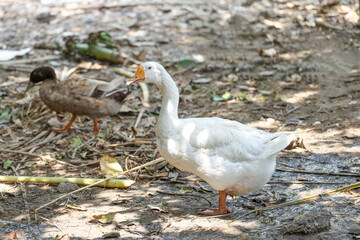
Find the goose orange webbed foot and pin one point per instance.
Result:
(215, 211)
(222, 206)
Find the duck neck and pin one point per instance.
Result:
(170, 99)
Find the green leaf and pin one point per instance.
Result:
(242, 96)
(77, 141)
(7, 164)
(161, 205)
(5, 116)
(194, 88)
(185, 63)
(187, 189)
(226, 96)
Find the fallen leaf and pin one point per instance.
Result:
(120, 201)
(201, 80)
(18, 235)
(110, 166)
(242, 96)
(185, 63)
(109, 218)
(7, 164)
(271, 52)
(77, 141)
(5, 116)
(157, 208)
(186, 189)
(226, 96)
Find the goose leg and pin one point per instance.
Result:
(222, 206)
(96, 129)
(68, 126)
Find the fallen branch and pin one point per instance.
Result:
(349, 187)
(80, 181)
(96, 183)
(318, 173)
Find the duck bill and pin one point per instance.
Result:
(29, 86)
(138, 77)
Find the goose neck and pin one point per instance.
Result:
(170, 98)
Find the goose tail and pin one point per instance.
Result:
(279, 141)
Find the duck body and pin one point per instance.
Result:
(232, 157)
(78, 96)
(64, 98)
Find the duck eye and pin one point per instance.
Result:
(149, 68)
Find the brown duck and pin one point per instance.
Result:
(78, 96)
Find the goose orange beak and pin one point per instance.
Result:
(138, 77)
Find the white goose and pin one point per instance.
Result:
(233, 158)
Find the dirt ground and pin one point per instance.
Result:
(289, 65)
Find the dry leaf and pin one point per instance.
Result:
(109, 165)
(271, 52)
(109, 218)
(18, 235)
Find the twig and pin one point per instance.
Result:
(40, 59)
(139, 117)
(23, 193)
(40, 135)
(349, 187)
(304, 182)
(126, 138)
(319, 173)
(90, 147)
(58, 227)
(292, 110)
(20, 152)
(131, 143)
(52, 136)
(285, 164)
(91, 185)
(185, 195)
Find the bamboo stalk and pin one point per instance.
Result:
(103, 180)
(113, 183)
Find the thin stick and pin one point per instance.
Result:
(23, 193)
(47, 140)
(58, 227)
(91, 185)
(349, 187)
(131, 143)
(304, 182)
(20, 152)
(319, 173)
(185, 195)
(40, 59)
(141, 113)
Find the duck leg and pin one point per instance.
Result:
(68, 126)
(96, 129)
(222, 206)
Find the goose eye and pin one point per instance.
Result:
(149, 68)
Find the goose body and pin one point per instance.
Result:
(78, 96)
(232, 157)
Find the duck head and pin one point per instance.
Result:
(149, 72)
(40, 74)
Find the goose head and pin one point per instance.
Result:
(149, 72)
